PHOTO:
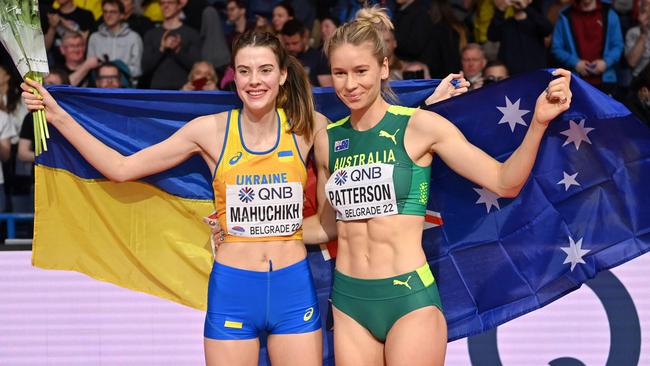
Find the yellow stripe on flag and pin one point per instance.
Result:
(131, 234)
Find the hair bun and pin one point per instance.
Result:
(376, 16)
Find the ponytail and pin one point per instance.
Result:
(297, 100)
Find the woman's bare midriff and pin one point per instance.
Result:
(380, 247)
(255, 256)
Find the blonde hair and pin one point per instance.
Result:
(295, 95)
(367, 28)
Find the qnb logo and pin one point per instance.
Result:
(246, 194)
(624, 326)
(341, 177)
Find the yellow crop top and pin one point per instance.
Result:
(259, 194)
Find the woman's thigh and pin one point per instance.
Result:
(242, 352)
(354, 345)
(296, 349)
(417, 338)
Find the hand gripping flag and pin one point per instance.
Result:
(583, 209)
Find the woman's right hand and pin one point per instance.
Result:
(43, 100)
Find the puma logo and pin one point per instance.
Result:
(403, 283)
(387, 135)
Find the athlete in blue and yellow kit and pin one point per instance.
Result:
(373, 175)
(260, 280)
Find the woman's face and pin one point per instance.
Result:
(203, 70)
(327, 28)
(280, 16)
(258, 77)
(357, 75)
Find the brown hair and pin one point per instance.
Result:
(295, 95)
(367, 27)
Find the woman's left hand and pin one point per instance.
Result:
(555, 99)
(217, 235)
(451, 86)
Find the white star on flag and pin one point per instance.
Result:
(512, 114)
(488, 197)
(577, 133)
(574, 253)
(569, 180)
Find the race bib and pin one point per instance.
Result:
(362, 192)
(260, 210)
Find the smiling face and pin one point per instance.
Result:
(258, 77)
(357, 74)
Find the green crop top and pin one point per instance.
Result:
(371, 172)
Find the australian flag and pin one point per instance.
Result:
(585, 207)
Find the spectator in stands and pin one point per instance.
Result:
(73, 49)
(521, 36)
(473, 61)
(115, 40)
(170, 50)
(639, 100)
(447, 38)
(6, 134)
(295, 39)
(402, 70)
(108, 76)
(328, 25)
(214, 48)
(412, 29)
(134, 18)
(236, 12)
(10, 101)
(23, 198)
(202, 77)
(637, 42)
(282, 13)
(588, 40)
(8, 105)
(14, 112)
(263, 24)
(346, 10)
(495, 71)
(67, 18)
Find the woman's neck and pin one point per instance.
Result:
(259, 127)
(366, 118)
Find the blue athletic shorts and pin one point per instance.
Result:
(243, 303)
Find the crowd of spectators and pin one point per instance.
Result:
(185, 45)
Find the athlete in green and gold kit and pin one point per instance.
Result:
(373, 173)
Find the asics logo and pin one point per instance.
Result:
(387, 135)
(403, 283)
(308, 314)
(235, 158)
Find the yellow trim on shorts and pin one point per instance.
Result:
(425, 275)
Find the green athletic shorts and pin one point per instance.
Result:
(377, 304)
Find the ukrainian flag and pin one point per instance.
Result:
(285, 156)
(146, 235)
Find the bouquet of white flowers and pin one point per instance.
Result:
(22, 36)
